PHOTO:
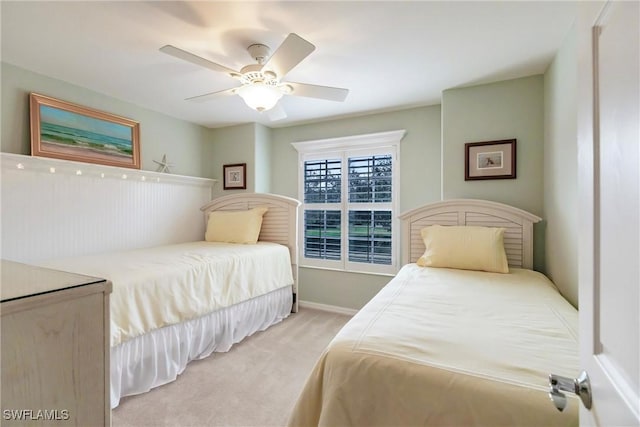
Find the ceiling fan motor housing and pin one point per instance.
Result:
(250, 75)
(253, 73)
(259, 52)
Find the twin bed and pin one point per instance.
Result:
(176, 303)
(442, 346)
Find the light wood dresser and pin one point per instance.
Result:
(55, 347)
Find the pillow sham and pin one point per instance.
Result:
(235, 226)
(464, 247)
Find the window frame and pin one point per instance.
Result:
(383, 143)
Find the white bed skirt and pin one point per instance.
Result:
(158, 357)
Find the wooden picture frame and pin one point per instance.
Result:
(67, 131)
(490, 160)
(235, 176)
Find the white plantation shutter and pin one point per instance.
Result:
(370, 179)
(322, 237)
(370, 237)
(322, 181)
(349, 188)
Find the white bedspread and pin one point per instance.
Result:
(449, 347)
(166, 285)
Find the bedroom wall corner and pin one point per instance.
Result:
(561, 169)
(248, 143)
(183, 142)
(232, 145)
(262, 159)
(495, 111)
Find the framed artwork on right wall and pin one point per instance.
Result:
(490, 160)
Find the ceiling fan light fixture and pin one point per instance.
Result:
(259, 96)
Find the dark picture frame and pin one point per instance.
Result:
(235, 176)
(490, 160)
(62, 130)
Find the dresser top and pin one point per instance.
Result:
(22, 280)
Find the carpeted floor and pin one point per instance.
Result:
(255, 384)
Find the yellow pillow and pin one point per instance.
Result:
(235, 226)
(464, 247)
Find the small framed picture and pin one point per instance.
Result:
(490, 160)
(235, 176)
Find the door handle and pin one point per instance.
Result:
(579, 386)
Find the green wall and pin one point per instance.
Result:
(232, 145)
(419, 150)
(561, 169)
(247, 143)
(263, 159)
(183, 142)
(503, 110)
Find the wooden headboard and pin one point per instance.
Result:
(518, 237)
(279, 224)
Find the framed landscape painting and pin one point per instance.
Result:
(67, 131)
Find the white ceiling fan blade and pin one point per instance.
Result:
(322, 92)
(195, 59)
(289, 54)
(276, 113)
(209, 96)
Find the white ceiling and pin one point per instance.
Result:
(390, 55)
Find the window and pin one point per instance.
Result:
(349, 187)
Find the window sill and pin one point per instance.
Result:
(372, 273)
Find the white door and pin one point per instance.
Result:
(609, 200)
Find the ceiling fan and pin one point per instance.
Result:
(261, 84)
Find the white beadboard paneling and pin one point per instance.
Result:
(51, 211)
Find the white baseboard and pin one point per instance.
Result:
(330, 308)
